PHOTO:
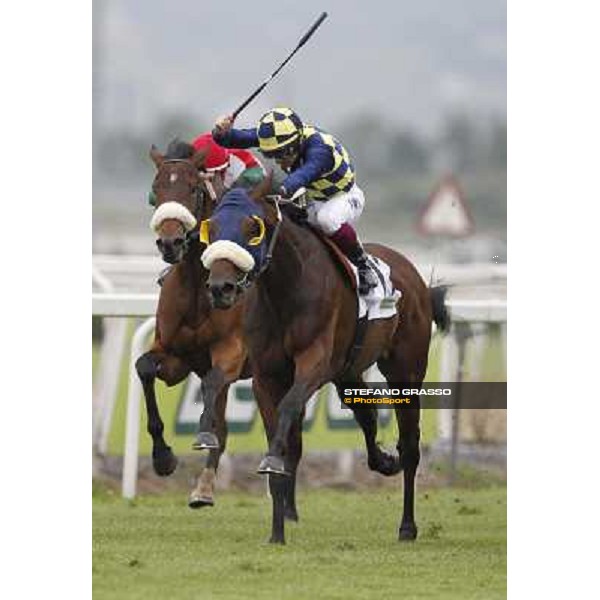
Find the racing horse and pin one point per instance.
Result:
(300, 327)
(190, 335)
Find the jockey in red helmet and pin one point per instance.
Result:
(235, 167)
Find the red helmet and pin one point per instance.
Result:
(217, 158)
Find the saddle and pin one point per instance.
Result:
(339, 258)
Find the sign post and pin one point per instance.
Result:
(446, 212)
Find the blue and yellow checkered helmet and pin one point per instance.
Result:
(277, 129)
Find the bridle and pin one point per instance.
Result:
(298, 201)
(248, 278)
(203, 190)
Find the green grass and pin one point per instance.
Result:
(344, 547)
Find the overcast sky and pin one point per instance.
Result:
(413, 61)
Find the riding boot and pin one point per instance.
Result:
(367, 279)
(347, 241)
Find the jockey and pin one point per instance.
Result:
(315, 160)
(235, 167)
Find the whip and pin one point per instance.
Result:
(301, 43)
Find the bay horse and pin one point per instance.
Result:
(190, 335)
(300, 324)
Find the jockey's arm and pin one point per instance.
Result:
(236, 138)
(318, 160)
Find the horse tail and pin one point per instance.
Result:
(441, 316)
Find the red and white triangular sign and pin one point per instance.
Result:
(446, 212)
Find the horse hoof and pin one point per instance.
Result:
(407, 533)
(291, 514)
(272, 465)
(197, 501)
(206, 440)
(277, 540)
(164, 462)
(386, 464)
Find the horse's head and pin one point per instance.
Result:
(237, 240)
(181, 199)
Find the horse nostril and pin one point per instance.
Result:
(159, 243)
(228, 288)
(221, 290)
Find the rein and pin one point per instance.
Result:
(276, 201)
(247, 279)
(299, 202)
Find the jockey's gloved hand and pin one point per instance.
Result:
(223, 124)
(294, 211)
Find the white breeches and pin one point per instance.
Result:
(330, 215)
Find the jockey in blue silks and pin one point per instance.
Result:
(315, 160)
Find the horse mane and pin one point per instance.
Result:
(178, 149)
(263, 188)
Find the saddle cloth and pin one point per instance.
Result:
(380, 303)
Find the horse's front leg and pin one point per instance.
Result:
(203, 493)
(309, 376)
(171, 370)
(292, 458)
(227, 358)
(268, 392)
(211, 385)
(289, 412)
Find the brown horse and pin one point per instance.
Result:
(190, 335)
(300, 325)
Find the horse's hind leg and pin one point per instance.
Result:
(409, 433)
(171, 370)
(377, 459)
(203, 493)
(410, 455)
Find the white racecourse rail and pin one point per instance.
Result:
(143, 305)
(116, 307)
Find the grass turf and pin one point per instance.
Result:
(345, 546)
